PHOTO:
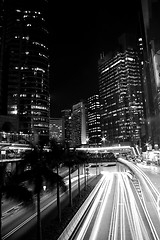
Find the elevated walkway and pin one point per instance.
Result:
(115, 149)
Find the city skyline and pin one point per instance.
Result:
(78, 36)
(77, 74)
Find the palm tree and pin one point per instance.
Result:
(78, 163)
(10, 190)
(36, 171)
(69, 161)
(75, 158)
(55, 159)
(82, 158)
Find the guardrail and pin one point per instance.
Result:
(10, 160)
(152, 194)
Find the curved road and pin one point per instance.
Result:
(118, 212)
(124, 208)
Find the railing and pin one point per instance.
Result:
(10, 160)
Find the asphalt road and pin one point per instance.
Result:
(121, 210)
(117, 212)
(18, 221)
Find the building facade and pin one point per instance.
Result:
(93, 120)
(79, 124)
(120, 89)
(151, 35)
(56, 129)
(67, 127)
(24, 73)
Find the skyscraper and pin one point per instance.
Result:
(24, 73)
(79, 125)
(151, 35)
(67, 128)
(120, 89)
(93, 119)
(56, 129)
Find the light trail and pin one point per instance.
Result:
(151, 197)
(118, 212)
(138, 230)
(108, 181)
(103, 190)
(127, 217)
(114, 214)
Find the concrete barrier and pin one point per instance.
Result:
(68, 231)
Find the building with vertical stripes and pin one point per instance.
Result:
(67, 125)
(79, 124)
(121, 94)
(94, 120)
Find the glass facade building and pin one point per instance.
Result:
(24, 77)
(93, 119)
(67, 127)
(121, 97)
(56, 129)
(79, 125)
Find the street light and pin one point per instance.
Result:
(103, 140)
(87, 140)
(91, 141)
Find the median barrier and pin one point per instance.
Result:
(71, 227)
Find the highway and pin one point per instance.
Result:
(121, 210)
(117, 213)
(125, 206)
(16, 219)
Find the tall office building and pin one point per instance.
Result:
(24, 73)
(79, 125)
(56, 129)
(151, 35)
(94, 121)
(120, 89)
(67, 127)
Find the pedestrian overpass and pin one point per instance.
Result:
(121, 150)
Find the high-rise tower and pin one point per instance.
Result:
(79, 125)
(151, 35)
(67, 127)
(94, 121)
(24, 78)
(120, 89)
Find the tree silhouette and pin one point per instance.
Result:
(69, 161)
(36, 170)
(55, 158)
(10, 190)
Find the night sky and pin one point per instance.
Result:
(79, 32)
